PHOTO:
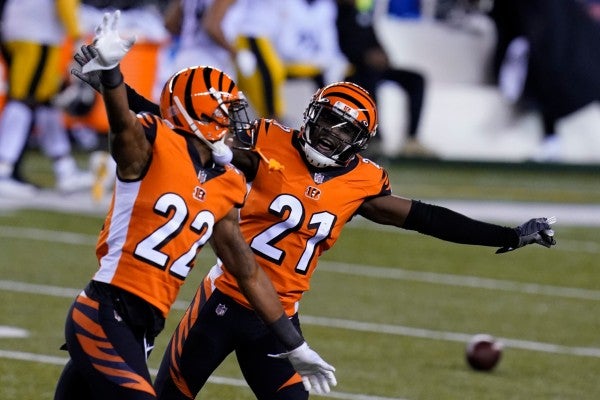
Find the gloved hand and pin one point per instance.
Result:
(316, 374)
(110, 46)
(246, 62)
(536, 230)
(85, 55)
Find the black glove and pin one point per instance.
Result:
(536, 230)
(92, 78)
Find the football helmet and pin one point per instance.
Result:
(204, 100)
(339, 121)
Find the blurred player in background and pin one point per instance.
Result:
(373, 70)
(33, 33)
(175, 190)
(254, 26)
(199, 37)
(309, 44)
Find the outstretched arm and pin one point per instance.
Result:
(451, 226)
(229, 245)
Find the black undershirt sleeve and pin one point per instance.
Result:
(451, 226)
(138, 103)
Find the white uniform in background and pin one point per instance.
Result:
(256, 18)
(33, 33)
(256, 24)
(32, 21)
(194, 46)
(144, 22)
(310, 37)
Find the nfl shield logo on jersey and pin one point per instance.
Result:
(318, 178)
(221, 310)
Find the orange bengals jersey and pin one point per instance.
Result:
(292, 216)
(156, 225)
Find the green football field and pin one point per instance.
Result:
(392, 310)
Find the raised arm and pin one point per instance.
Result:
(128, 143)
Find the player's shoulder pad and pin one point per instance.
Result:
(234, 172)
(370, 163)
(236, 184)
(266, 124)
(371, 170)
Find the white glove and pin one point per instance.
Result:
(316, 374)
(246, 62)
(110, 46)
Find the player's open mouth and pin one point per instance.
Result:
(326, 145)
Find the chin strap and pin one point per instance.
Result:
(221, 153)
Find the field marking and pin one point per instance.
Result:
(48, 235)
(513, 212)
(360, 326)
(459, 280)
(371, 271)
(12, 332)
(217, 380)
(400, 330)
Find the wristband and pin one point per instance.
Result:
(111, 78)
(286, 332)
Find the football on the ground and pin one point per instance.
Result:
(483, 352)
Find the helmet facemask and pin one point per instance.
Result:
(332, 135)
(240, 124)
(230, 115)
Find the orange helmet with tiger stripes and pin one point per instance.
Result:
(339, 121)
(209, 97)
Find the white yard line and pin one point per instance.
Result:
(459, 280)
(361, 269)
(217, 380)
(493, 211)
(23, 287)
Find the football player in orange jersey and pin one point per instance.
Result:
(293, 213)
(175, 190)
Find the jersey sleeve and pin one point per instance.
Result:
(373, 178)
(150, 122)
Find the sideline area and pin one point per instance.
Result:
(493, 211)
(465, 116)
